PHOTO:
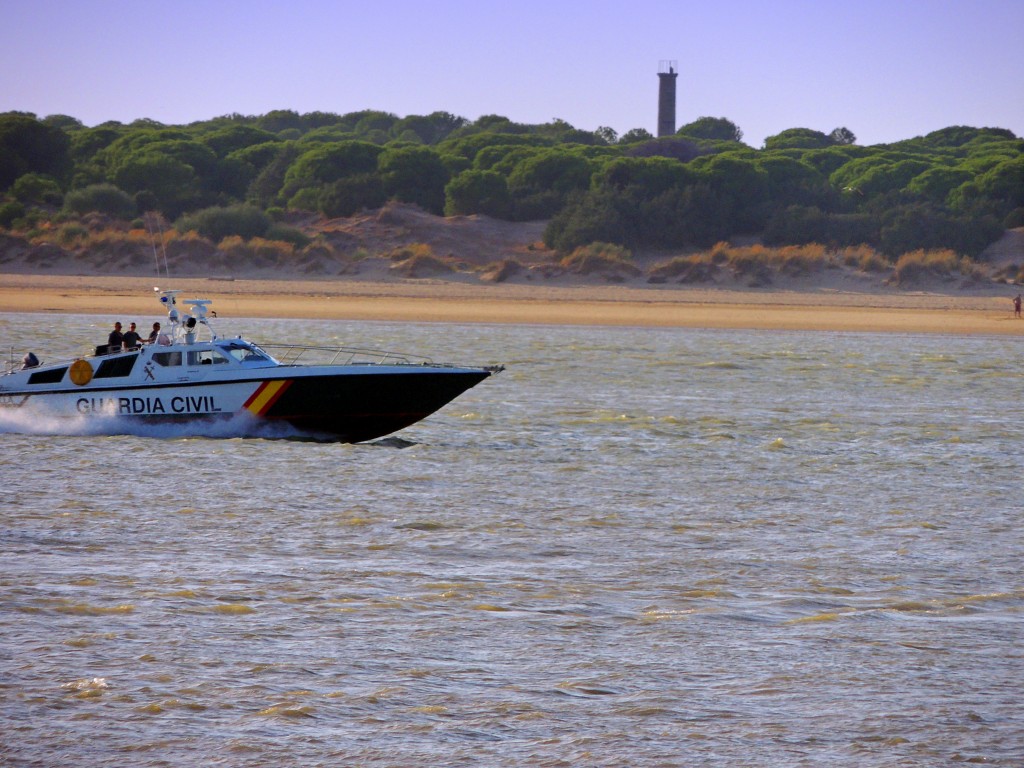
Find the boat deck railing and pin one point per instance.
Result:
(296, 354)
(12, 365)
(287, 354)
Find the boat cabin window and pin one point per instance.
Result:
(244, 353)
(52, 376)
(167, 359)
(114, 367)
(206, 357)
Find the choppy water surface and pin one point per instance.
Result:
(633, 547)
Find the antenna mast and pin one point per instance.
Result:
(153, 224)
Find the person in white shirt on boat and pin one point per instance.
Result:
(157, 337)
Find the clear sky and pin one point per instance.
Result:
(886, 69)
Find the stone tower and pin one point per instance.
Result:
(667, 75)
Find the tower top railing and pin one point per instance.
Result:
(668, 67)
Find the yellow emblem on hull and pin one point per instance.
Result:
(80, 372)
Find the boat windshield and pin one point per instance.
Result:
(206, 357)
(245, 353)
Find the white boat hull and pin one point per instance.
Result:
(347, 405)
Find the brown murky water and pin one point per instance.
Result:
(633, 547)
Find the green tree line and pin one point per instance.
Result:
(954, 188)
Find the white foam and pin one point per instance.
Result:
(241, 425)
(87, 684)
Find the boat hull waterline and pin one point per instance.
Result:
(347, 407)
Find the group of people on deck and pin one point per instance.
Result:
(131, 339)
(116, 342)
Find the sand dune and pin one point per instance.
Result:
(47, 278)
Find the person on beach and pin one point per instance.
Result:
(131, 338)
(1016, 305)
(115, 339)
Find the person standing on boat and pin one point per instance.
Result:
(115, 339)
(153, 334)
(131, 338)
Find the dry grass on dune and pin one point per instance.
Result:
(402, 243)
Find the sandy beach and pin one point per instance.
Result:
(455, 302)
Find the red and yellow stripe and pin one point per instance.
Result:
(266, 395)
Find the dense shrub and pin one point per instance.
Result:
(216, 223)
(477, 191)
(799, 138)
(414, 175)
(799, 225)
(912, 227)
(285, 234)
(28, 145)
(674, 148)
(10, 212)
(539, 185)
(712, 128)
(956, 188)
(587, 218)
(37, 188)
(306, 199)
(102, 198)
(72, 234)
(351, 194)
(326, 163)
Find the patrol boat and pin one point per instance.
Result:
(341, 394)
